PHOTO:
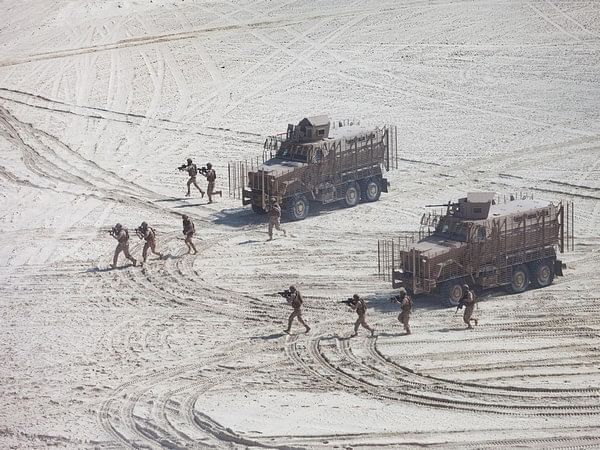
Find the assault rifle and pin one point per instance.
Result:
(285, 294)
(460, 305)
(348, 301)
(139, 232)
(113, 231)
(182, 167)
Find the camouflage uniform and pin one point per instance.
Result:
(122, 236)
(149, 235)
(359, 305)
(274, 211)
(211, 176)
(192, 171)
(295, 299)
(188, 231)
(406, 308)
(469, 301)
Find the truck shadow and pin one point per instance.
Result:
(238, 217)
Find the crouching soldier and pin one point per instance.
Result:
(295, 299)
(149, 235)
(188, 232)
(274, 211)
(406, 308)
(469, 301)
(120, 233)
(359, 305)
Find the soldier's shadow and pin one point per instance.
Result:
(447, 330)
(270, 336)
(189, 205)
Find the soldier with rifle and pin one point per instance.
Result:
(192, 171)
(468, 301)
(359, 305)
(211, 177)
(120, 233)
(274, 211)
(294, 298)
(188, 232)
(406, 308)
(149, 235)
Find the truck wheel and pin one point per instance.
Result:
(258, 210)
(298, 207)
(352, 196)
(451, 292)
(371, 190)
(519, 281)
(543, 273)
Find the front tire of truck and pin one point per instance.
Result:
(451, 292)
(519, 280)
(258, 210)
(352, 196)
(298, 208)
(543, 273)
(371, 190)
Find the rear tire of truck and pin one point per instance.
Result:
(519, 280)
(352, 196)
(371, 190)
(543, 273)
(298, 208)
(451, 292)
(258, 210)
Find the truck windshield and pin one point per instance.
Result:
(293, 153)
(454, 231)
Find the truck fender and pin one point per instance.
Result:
(384, 185)
(558, 267)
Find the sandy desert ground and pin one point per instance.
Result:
(101, 100)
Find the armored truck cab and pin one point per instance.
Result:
(484, 245)
(316, 163)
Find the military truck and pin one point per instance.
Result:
(484, 243)
(317, 163)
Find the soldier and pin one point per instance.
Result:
(211, 176)
(188, 231)
(120, 233)
(359, 305)
(274, 211)
(406, 307)
(469, 302)
(192, 171)
(295, 299)
(149, 235)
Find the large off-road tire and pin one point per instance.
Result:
(258, 210)
(298, 207)
(542, 273)
(352, 196)
(371, 190)
(451, 292)
(519, 280)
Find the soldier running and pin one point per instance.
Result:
(295, 299)
(188, 231)
(359, 305)
(149, 235)
(469, 302)
(192, 171)
(211, 176)
(274, 211)
(120, 233)
(406, 308)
